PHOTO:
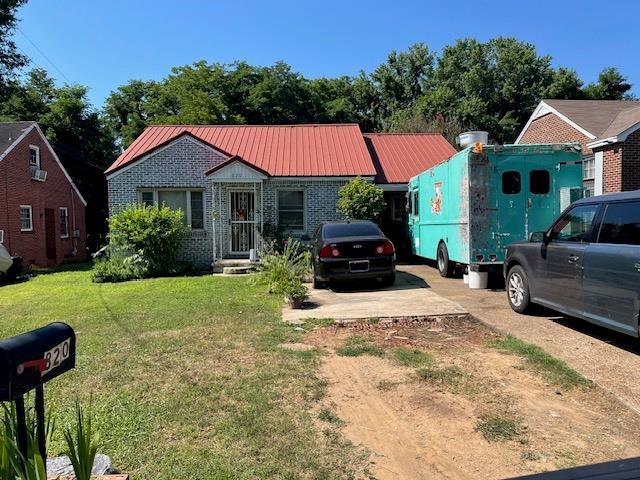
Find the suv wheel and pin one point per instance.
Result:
(518, 289)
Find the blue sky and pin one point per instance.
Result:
(105, 43)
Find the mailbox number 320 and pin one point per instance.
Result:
(57, 355)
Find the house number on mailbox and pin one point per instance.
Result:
(57, 355)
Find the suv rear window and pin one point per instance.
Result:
(621, 224)
(336, 230)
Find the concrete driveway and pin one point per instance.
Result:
(610, 359)
(409, 297)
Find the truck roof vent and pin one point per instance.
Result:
(467, 139)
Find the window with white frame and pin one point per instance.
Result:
(34, 157)
(26, 218)
(588, 168)
(190, 202)
(64, 222)
(291, 209)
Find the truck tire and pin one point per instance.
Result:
(445, 267)
(517, 287)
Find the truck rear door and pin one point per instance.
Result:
(510, 191)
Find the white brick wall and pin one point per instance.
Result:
(183, 164)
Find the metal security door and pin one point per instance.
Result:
(242, 219)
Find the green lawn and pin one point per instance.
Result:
(185, 374)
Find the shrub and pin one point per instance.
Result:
(360, 200)
(119, 268)
(154, 233)
(278, 270)
(294, 289)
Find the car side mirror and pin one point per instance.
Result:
(538, 237)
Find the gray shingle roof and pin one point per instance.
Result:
(599, 117)
(10, 131)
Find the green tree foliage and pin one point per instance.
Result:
(611, 85)
(492, 85)
(360, 200)
(10, 58)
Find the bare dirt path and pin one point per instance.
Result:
(429, 429)
(610, 359)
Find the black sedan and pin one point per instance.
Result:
(352, 250)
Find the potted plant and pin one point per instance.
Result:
(295, 293)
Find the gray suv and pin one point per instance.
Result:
(586, 265)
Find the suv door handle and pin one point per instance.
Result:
(573, 258)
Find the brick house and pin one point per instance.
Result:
(608, 132)
(42, 213)
(234, 181)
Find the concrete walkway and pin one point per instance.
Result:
(610, 359)
(410, 297)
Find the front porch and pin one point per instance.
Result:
(237, 211)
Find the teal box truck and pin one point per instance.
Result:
(466, 210)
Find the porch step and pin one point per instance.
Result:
(238, 270)
(233, 266)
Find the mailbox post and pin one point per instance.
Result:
(27, 362)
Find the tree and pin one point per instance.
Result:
(403, 78)
(565, 85)
(360, 200)
(611, 85)
(10, 58)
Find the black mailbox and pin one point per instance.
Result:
(33, 358)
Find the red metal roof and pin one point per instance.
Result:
(400, 156)
(279, 150)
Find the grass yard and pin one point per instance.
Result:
(186, 376)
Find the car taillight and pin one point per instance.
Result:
(386, 248)
(327, 251)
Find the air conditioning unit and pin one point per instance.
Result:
(39, 175)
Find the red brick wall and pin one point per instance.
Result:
(611, 168)
(552, 129)
(631, 162)
(17, 188)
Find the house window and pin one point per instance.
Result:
(539, 182)
(26, 218)
(64, 222)
(147, 199)
(197, 210)
(398, 208)
(190, 202)
(34, 157)
(291, 209)
(588, 168)
(511, 183)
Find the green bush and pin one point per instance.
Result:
(360, 200)
(294, 289)
(154, 233)
(119, 268)
(279, 270)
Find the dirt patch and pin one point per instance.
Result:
(470, 412)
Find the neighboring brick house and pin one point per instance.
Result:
(42, 213)
(607, 132)
(234, 181)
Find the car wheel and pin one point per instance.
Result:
(317, 284)
(445, 267)
(518, 289)
(389, 280)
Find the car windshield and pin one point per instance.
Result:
(335, 230)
